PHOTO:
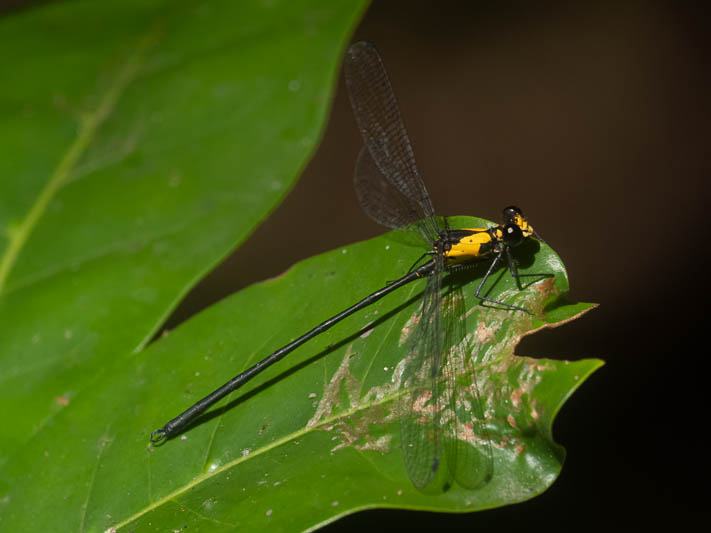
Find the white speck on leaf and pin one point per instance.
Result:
(174, 180)
(209, 503)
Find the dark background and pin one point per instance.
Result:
(594, 118)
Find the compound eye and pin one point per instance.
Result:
(513, 236)
(510, 214)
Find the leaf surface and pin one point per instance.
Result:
(311, 438)
(141, 142)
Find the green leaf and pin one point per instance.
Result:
(141, 142)
(311, 438)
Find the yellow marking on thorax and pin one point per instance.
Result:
(469, 247)
(522, 223)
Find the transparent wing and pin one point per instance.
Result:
(442, 427)
(441, 417)
(420, 434)
(466, 441)
(385, 204)
(387, 143)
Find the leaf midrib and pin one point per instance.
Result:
(275, 444)
(88, 126)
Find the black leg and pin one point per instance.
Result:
(497, 258)
(431, 252)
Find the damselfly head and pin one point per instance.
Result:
(513, 215)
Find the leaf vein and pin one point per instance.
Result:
(104, 442)
(88, 126)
